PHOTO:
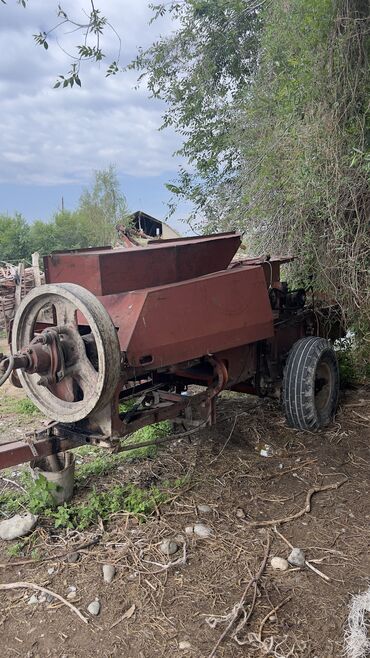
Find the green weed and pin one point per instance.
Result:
(103, 463)
(15, 550)
(23, 406)
(38, 497)
(128, 498)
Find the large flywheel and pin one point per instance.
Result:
(70, 347)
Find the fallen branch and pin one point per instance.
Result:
(306, 509)
(238, 607)
(21, 585)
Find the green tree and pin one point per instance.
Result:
(14, 238)
(202, 71)
(69, 231)
(102, 207)
(42, 237)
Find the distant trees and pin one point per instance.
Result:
(14, 238)
(92, 224)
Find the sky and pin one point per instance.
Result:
(51, 140)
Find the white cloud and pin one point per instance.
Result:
(48, 136)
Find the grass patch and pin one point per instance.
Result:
(38, 497)
(102, 463)
(23, 406)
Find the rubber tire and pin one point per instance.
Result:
(303, 407)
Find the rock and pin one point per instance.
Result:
(204, 509)
(279, 563)
(168, 547)
(50, 598)
(33, 599)
(51, 571)
(240, 513)
(42, 598)
(184, 644)
(297, 557)
(109, 571)
(73, 557)
(94, 607)
(202, 531)
(71, 595)
(18, 526)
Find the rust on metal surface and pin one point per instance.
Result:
(178, 322)
(19, 452)
(145, 324)
(120, 270)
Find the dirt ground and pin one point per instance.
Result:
(191, 601)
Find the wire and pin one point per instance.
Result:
(8, 370)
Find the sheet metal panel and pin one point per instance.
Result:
(178, 322)
(106, 272)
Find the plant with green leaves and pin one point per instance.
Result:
(202, 70)
(92, 25)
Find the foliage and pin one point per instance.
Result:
(93, 223)
(15, 550)
(14, 238)
(38, 496)
(353, 361)
(201, 71)
(304, 183)
(92, 29)
(26, 407)
(103, 207)
(103, 463)
(121, 498)
(280, 148)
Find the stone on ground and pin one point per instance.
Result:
(17, 526)
(109, 571)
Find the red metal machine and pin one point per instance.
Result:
(145, 324)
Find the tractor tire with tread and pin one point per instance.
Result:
(310, 384)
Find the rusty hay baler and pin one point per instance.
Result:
(166, 327)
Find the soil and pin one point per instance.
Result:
(190, 602)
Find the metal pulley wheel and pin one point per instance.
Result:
(86, 344)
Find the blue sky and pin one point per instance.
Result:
(52, 140)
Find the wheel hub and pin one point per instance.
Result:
(70, 368)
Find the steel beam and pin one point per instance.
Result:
(18, 452)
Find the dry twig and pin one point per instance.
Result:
(239, 606)
(24, 585)
(269, 614)
(307, 563)
(305, 510)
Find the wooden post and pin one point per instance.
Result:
(36, 268)
(18, 287)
